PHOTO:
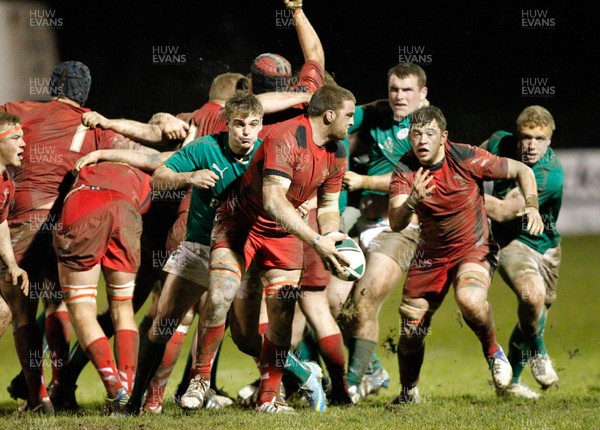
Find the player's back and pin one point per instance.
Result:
(127, 180)
(55, 139)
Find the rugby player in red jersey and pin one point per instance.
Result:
(260, 223)
(11, 151)
(56, 140)
(442, 182)
(101, 225)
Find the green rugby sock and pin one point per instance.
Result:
(297, 367)
(360, 357)
(537, 343)
(375, 363)
(518, 353)
(308, 349)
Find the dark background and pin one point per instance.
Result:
(479, 55)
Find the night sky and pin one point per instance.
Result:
(484, 66)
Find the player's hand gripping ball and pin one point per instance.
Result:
(352, 252)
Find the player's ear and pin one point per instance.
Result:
(329, 116)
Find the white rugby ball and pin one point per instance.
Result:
(352, 252)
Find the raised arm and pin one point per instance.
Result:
(312, 49)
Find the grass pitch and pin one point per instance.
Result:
(455, 382)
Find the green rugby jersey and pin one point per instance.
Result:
(549, 176)
(213, 153)
(386, 138)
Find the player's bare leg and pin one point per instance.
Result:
(80, 290)
(314, 304)
(381, 276)
(119, 288)
(529, 332)
(470, 292)
(28, 343)
(226, 271)
(5, 316)
(415, 320)
(177, 297)
(281, 293)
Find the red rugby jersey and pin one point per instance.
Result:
(55, 139)
(288, 151)
(129, 181)
(453, 218)
(7, 191)
(209, 119)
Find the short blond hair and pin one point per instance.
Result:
(535, 116)
(224, 86)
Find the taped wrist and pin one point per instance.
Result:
(531, 200)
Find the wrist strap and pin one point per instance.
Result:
(531, 200)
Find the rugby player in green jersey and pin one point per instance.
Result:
(529, 264)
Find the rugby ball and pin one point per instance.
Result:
(352, 252)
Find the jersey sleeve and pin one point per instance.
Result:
(310, 78)
(486, 166)
(401, 182)
(188, 158)
(333, 184)
(280, 154)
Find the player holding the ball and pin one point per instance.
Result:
(442, 182)
(259, 222)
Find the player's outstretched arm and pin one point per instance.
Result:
(503, 210)
(526, 180)
(312, 49)
(17, 276)
(353, 181)
(145, 160)
(171, 127)
(161, 129)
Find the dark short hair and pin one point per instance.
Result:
(329, 97)
(404, 70)
(426, 114)
(244, 104)
(9, 119)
